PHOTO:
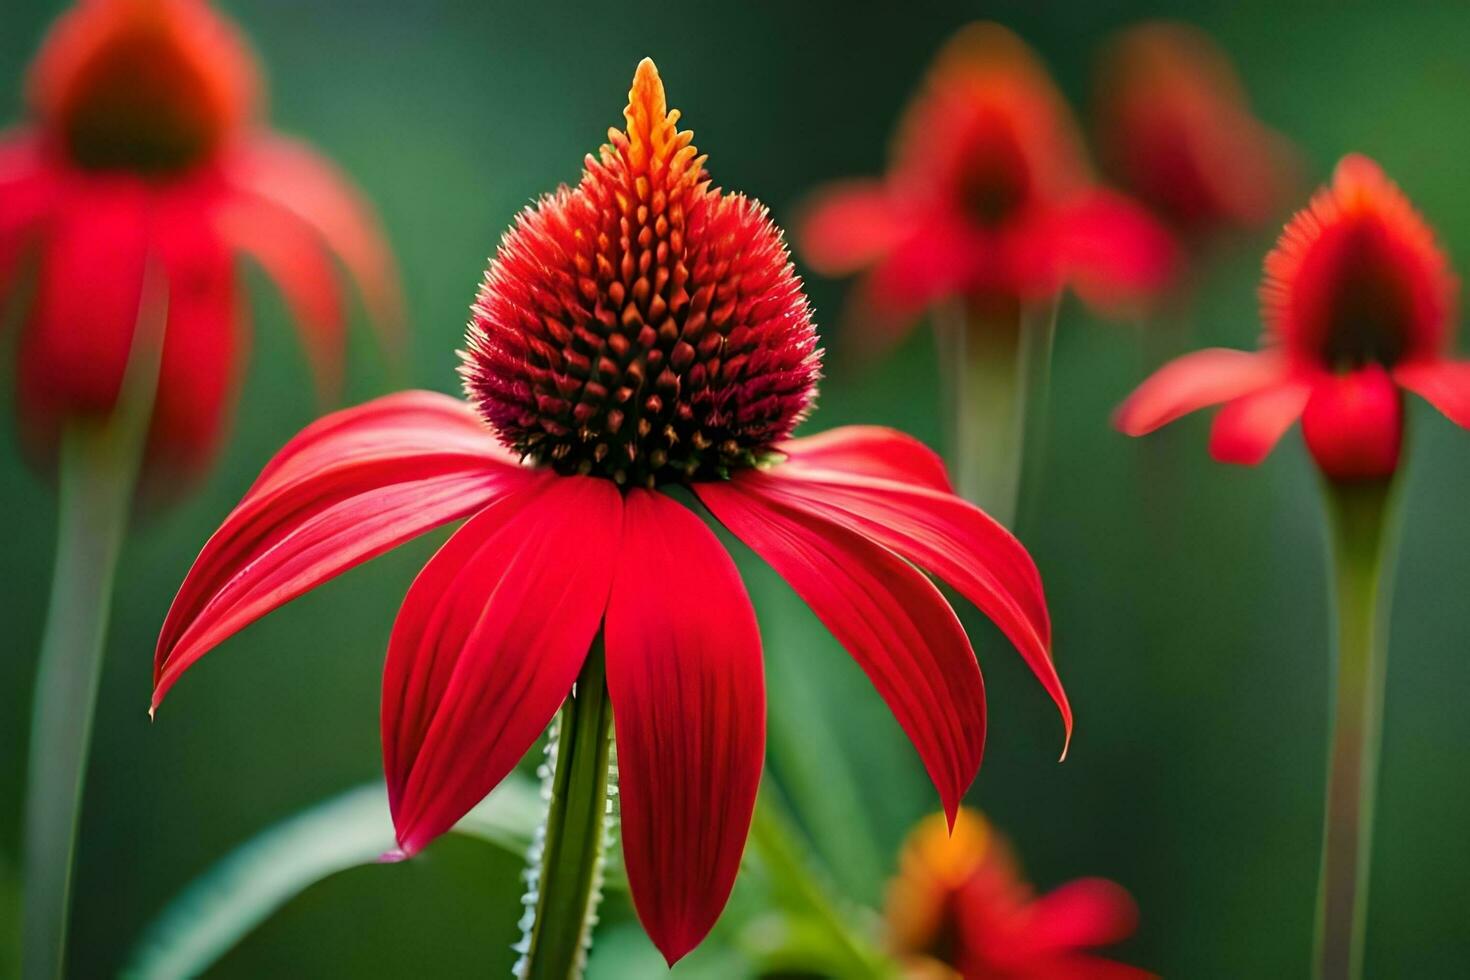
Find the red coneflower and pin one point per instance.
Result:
(1175, 127)
(989, 199)
(1358, 302)
(145, 147)
(958, 907)
(988, 210)
(141, 172)
(640, 333)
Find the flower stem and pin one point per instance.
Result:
(997, 380)
(1358, 518)
(569, 884)
(95, 494)
(98, 465)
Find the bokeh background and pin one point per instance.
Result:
(1188, 597)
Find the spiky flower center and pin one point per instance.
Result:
(1370, 310)
(1357, 278)
(642, 326)
(994, 181)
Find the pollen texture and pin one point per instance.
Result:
(643, 326)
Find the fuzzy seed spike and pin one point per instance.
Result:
(642, 310)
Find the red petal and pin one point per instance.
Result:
(89, 283)
(943, 533)
(848, 226)
(891, 618)
(934, 262)
(201, 351)
(1195, 381)
(25, 197)
(318, 511)
(292, 254)
(1443, 384)
(487, 645)
(684, 671)
(1248, 428)
(868, 450)
(1354, 424)
(1112, 251)
(289, 174)
(1080, 914)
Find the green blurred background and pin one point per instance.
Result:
(1188, 597)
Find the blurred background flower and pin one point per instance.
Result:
(141, 171)
(1174, 126)
(959, 907)
(145, 144)
(989, 200)
(1172, 600)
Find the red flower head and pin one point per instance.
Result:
(639, 331)
(1359, 302)
(989, 197)
(959, 907)
(1174, 125)
(143, 149)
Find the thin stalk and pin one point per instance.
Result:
(996, 383)
(785, 858)
(98, 465)
(568, 887)
(1358, 519)
(1038, 340)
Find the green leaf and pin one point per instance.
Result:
(248, 885)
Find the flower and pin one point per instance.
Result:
(958, 906)
(638, 333)
(988, 198)
(1174, 125)
(1359, 303)
(144, 147)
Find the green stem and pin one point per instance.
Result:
(98, 466)
(569, 884)
(95, 495)
(997, 378)
(775, 840)
(1038, 340)
(1358, 517)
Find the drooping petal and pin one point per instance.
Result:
(202, 350)
(1077, 966)
(935, 261)
(291, 175)
(891, 618)
(942, 533)
(26, 194)
(292, 255)
(90, 273)
(1194, 381)
(1354, 424)
(487, 644)
(403, 423)
(1112, 251)
(1084, 913)
(868, 450)
(849, 225)
(332, 501)
(1443, 384)
(1248, 428)
(684, 673)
